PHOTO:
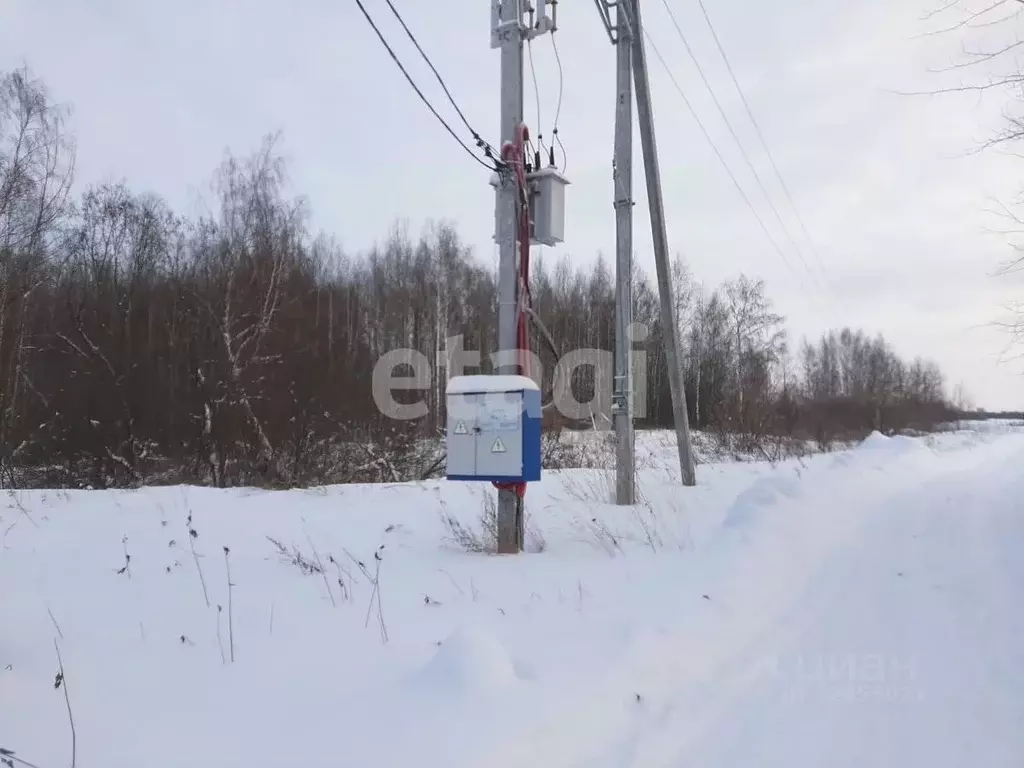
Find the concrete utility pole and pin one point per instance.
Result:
(510, 37)
(657, 208)
(622, 399)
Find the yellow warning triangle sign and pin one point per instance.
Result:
(498, 447)
(460, 428)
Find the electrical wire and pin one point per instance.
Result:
(736, 138)
(536, 93)
(633, 26)
(760, 136)
(486, 146)
(721, 159)
(558, 109)
(423, 98)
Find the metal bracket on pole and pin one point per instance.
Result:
(604, 7)
(505, 29)
(540, 22)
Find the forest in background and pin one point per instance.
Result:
(138, 345)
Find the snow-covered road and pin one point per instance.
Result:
(909, 649)
(859, 609)
(905, 648)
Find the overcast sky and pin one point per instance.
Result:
(894, 205)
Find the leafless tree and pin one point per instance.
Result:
(36, 168)
(140, 346)
(989, 34)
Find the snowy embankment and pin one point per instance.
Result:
(647, 636)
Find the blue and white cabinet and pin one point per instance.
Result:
(493, 430)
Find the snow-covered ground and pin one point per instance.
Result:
(860, 608)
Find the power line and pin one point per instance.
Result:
(721, 159)
(725, 165)
(489, 149)
(736, 138)
(764, 144)
(419, 93)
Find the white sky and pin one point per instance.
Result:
(894, 204)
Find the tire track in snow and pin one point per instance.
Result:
(692, 689)
(911, 675)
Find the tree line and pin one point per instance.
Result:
(138, 345)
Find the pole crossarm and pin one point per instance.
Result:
(604, 8)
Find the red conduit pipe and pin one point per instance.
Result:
(514, 154)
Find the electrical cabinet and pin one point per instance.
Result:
(493, 430)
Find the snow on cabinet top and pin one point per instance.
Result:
(488, 383)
